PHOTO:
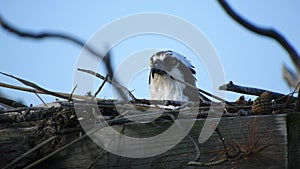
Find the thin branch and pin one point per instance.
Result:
(71, 95)
(116, 85)
(100, 88)
(97, 158)
(222, 139)
(208, 164)
(188, 136)
(25, 155)
(45, 35)
(203, 91)
(33, 85)
(56, 151)
(249, 90)
(109, 69)
(11, 103)
(97, 128)
(41, 92)
(37, 95)
(271, 33)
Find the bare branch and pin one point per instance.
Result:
(28, 83)
(11, 103)
(204, 92)
(30, 90)
(100, 88)
(97, 158)
(45, 35)
(271, 33)
(37, 95)
(25, 155)
(248, 90)
(109, 69)
(116, 85)
(56, 151)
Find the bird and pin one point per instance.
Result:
(168, 69)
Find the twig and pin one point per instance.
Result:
(188, 135)
(248, 90)
(11, 103)
(109, 69)
(289, 98)
(40, 92)
(69, 130)
(217, 162)
(20, 109)
(208, 164)
(222, 139)
(55, 151)
(25, 155)
(28, 83)
(44, 35)
(271, 33)
(203, 91)
(41, 99)
(100, 88)
(102, 125)
(120, 87)
(94, 162)
(71, 95)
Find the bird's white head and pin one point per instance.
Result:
(165, 67)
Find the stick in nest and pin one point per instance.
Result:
(112, 82)
(35, 86)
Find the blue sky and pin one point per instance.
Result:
(248, 59)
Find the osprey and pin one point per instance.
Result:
(166, 66)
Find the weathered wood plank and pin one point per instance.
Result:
(271, 133)
(293, 120)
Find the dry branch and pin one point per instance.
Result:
(33, 85)
(55, 152)
(97, 158)
(25, 155)
(65, 95)
(96, 128)
(123, 93)
(268, 32)
(10, 102)
(249, 90)
(100, 88)
(44, 35)
(113, 82)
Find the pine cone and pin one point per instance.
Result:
(262, 105)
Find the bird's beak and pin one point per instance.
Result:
(158, 68)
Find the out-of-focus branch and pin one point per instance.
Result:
(43, 35)
(271, 33)
(292, 79)
(120, 89)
